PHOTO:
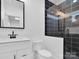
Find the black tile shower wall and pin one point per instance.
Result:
(48, 4)
(71, 45)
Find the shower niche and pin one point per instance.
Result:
(62, 20)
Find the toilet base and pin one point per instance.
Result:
(42, 57)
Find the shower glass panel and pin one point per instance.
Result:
(71, 38)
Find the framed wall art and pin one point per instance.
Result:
(12, 14)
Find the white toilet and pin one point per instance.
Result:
(39, 51)
(44, 54)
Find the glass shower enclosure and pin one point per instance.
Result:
(62, 20)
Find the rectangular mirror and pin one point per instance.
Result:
(12, 14)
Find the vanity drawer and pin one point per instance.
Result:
(24, 54)
(7, 55)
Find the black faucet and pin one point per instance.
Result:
(13, 35)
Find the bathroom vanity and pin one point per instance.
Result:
(16, 49)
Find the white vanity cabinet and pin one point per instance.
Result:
(7, 55)
(16, 50)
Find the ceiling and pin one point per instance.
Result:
(56, 2)
(65, 9)
(48, 4)
(66, 6)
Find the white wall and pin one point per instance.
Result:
(35, 17)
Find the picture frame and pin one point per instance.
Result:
(12, 14)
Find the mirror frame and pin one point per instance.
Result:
(23, 17)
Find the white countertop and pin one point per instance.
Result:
(7, 40)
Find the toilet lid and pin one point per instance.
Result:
(45, 53)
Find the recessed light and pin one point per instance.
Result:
(20, 0)
(74, 1)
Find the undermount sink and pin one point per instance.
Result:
(5, 40)
(37, 41)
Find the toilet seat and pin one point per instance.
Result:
(44, 53)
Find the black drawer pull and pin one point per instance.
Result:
(14, 56)
(24, 55)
